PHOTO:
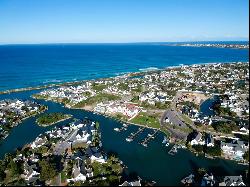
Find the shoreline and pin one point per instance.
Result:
(21, 120)
(125, 74)
(119, 120)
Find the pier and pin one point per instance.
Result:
(133, 135)
(148, 138)
(123, 128)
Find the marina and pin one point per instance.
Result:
(148, 138)
(131, 137)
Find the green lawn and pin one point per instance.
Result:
(147, 119)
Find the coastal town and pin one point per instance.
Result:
(203, 108)
(216, 45)
(67, 155)
(12, 112)
(170, 100)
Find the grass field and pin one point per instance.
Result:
(146, 119)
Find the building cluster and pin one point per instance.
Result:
(13, 111)
(129, 110)
(75, 153)
(238, 46)
(73, 94)
(231, 148)
(208, 179)
(152, 97)
(162, 88)
(60, 141)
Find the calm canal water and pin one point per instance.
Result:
(151, 163)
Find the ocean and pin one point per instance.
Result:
(35, 65)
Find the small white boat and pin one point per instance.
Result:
(144, 144)
(125, 125)
(117, 129)
(150, 135)
(167, 144)
(164, 140)
(128, 139)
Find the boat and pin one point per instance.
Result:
(164, 140)
(144, 144)
(117, 129)
(128, 139)
(167, 144)
(150, 135)
(125, 125)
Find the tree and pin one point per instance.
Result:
(15, 168)
(2, 174)
(198, 148)
(48, 170)
(246, 155)
(213, 151)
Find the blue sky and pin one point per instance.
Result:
(79, 21)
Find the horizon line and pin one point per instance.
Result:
(58, 43)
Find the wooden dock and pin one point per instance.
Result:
(148, 138)
(133, 135)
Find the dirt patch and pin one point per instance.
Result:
(194, 97)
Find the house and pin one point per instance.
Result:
(132, 183)
(30, 174)
(38, 142)
(232, 181)
(208, 180)
(235, 149)
(209, 140)
(189, 180)
(78, 171)
(197, 140)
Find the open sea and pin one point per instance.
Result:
(33, 65)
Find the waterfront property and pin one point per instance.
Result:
(70, 154)
(12, 112)
(168, 100)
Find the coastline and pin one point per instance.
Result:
(125, 74)
(116, 119)
(106, 115)
(21, 120)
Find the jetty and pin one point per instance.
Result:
(133, 135)
(148, 138)
(173, 150)
(123, 128)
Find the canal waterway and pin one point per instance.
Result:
(150, 163)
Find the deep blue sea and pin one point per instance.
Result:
(32, 65)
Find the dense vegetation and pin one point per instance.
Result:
(225, 126)
(222, 111)
(51, 118)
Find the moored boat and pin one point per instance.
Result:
(128, 139)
